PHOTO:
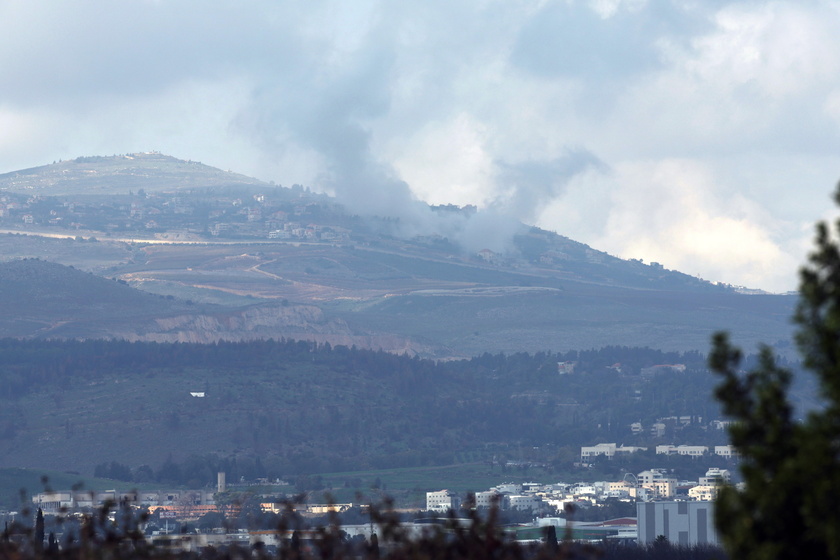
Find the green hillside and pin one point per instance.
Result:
(150, 171)
(41, 298)
(304, 409)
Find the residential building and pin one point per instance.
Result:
(704, 492)
(523, 502)
(657, 484)
(690, 450)
(608, 450)
(716, 476)
(508, 488)
(727, 451)
(487, 499)
(442, 501)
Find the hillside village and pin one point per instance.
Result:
(182, 215)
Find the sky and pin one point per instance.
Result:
(700, 134)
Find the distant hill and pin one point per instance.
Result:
(150, 171)
(263, 261)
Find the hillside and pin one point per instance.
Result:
(263, 261)
(40, 298)
(149, 171)
(303, 408)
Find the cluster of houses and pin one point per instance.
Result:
(680, 510)
(183, 214)
(311, 232)
(542, 499)
(54, 502)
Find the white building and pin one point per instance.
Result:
(682, 523)
(523, 502)
(609, 450)
(727, 451)
(716, 476)
(442, 501)
(487, 499)
(657, 484)
(704, 492)
(692, 450)
(508, 488)
(606, 449)
(586, 490)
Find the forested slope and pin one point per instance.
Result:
(302, 408)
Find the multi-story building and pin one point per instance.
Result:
(657, 484)
(487, 499)
(442, 501)
(690, 450)
(727, 451)
(716, 476)
(523, 502)
(608, 450)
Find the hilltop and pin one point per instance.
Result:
(150, 171)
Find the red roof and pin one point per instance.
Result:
(621, 521)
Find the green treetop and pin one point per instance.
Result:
(788, 507)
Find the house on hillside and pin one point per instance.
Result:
(662, 369)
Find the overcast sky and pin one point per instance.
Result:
(701, 134)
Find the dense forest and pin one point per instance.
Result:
(288, 408)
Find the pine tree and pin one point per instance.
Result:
(791, 468)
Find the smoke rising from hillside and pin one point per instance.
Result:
(569, 115)
(331, 119)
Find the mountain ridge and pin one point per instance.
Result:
(215, 238)
(144, 170)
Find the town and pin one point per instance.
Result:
(651, 504)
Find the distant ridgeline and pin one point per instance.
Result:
(306, 408)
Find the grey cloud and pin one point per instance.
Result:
(328, 110)
(71, 55)
(571, 39)
(532, 184)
